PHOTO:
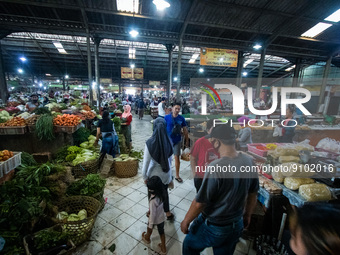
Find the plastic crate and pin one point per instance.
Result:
(11, 163)
(13, 130)
(66, 129)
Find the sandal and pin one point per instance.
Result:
(144, 240)
(161, 252)
(171, 217)
(179, 179)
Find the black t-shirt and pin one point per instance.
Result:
(105, 126)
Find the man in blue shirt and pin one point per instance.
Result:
(175, 123)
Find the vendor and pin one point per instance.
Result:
(244, 135)
(30, 106)
(46, 101)
(106, 127)
(288, 129)
(126, 125)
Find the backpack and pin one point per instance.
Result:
(176, 130)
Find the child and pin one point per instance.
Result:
(157, 215)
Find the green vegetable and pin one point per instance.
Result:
(47, 239)
(44, 127)
(62, 215)
(74, 150)
(42, 110)
(62, 154)
(88, 186)
(117, 123)
(71, 157)
(84, 145)
(73, 217)
(27, 159)
(81, 135)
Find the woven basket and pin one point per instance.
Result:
(100, 197)
(29, 242)
(83, 169)
(79, 231)
(125, 169)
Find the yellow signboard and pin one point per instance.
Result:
(154, 83)
(126, 73)
(105, 81)
(218, 57)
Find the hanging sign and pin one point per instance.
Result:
(218, 57)
(105, 81)
(138, 73)
(126, 73)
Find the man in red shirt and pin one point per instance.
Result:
(202, 154)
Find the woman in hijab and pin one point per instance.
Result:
(126, 127)
(244, 135)
(106, 127)
(157, 160)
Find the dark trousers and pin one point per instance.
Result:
(198, 183)
(166, 205)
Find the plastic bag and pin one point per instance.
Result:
(277, 131)
(186, 154)
(295, 183)
(315, 192)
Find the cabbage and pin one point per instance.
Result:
(84, 145)
(73, 217)
(62, 215)
(92, 137)
(82, 214)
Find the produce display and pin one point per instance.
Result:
(14, 122)
(315, 192)
(49, 238)
(88, 186)
(4, 116)
(27, 159)
(5, 155)
(89, 114)
(44, 127)
(64, 216)
(81, 135)
(295, 183)
(31, 121)
(134, 155)
(66, 120)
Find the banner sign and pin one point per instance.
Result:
(126, 73)
(218, 57)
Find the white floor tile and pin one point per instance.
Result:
(136, 230)
(113, 198)
(123, 221)
(124, 191)
(174, 247)
(179, 214)
(137, 211)
(124, 204)
(109, 213)
(106, 235)
(136, 196)
(184, 204)
(179, 236)
(141, 249)
(180, 192)
(88, 248)
(124, 244)
(174, 200)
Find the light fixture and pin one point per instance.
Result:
(33, 85)
(60, 47)
(134, 33)
(132, 53)
(132, 66)
(101, 87)
(23, 59)
(58, 80)
(175, 79)
(130, 85)
(40, 84)
(334, 17)
(44, 87)
(316, 30)
(20, 70)
(12, 88)
(257, 46)
(48, 74)
(248, 62)
(94, 84)
(301, 85)
(80, 86)
(66, 76)
(161, 4)
(244, 73)
(221, 59)
(201, 70)
(208, 79)
(127, 5)
(110, 85)
(193, 58)
(290, 68)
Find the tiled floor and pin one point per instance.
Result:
(123, 219)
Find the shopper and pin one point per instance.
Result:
(244, 135)
(202, 154)
(34, 103)
(288, 129)
(126, 125)
(175, 124)
(161, 108)
(225, 201)
(156, 216)
(157, 160)
(141, 106)
(106, 128)
(315, 230)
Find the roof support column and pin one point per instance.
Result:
(3, 84)
(324, 82)
(179, 80)
(170, 48)
(64, 88)
(239, 69)
(89, 67)
(96, 63)
(259, 77)
(297, 71)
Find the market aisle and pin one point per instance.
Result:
(123, 219)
